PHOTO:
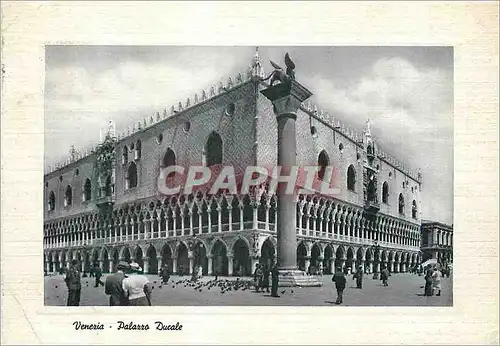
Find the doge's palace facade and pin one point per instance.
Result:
(103, 205)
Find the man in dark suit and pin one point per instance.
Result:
(340, 281)
(274, 280)
(113, 286)
(98, 275)
(73, 282)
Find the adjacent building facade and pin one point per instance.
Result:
(437, 241)
(104, 206)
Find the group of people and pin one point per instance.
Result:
(432, 281)
(127, 286)
(261, 278)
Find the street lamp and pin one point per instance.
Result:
(375, 248)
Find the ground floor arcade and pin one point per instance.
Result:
(231, 254)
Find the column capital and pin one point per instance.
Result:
(287, 97)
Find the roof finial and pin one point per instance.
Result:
(256, 68)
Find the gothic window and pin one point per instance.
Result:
(138, 148)
(322, 163)
(52, 201)
(401, 204)
(369, 149)
(351, 178)
(131, 178)
(109, 187)
(87, 190)
(385, 192)
(414, 209)
(68, 196)
(168, 159)
(213, 150)
(125, 155)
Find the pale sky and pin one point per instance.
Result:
(406, 92)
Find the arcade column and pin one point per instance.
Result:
(286, 98)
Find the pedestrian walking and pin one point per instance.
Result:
(257, 277)
(436, 281)
(384, 276)
(114, 285)
(428, 284)
(98, 275)
(274, 280)
(73, 282)
(359, 277)
(165, 274)
(340, 281)
(265, 278)
(137, 287)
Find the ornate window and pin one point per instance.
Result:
(138, 149)
(213, 150)
(109, 188)
(52, 201)
(322, 163)
(131, 178)
(414, 209)
(87, 190)
(385, 192)
(401, 204)
(125, 155)
(68, 196)
(351, 178)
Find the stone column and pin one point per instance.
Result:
(286, 98)
(191, 262)
(159, 259)
(101, 265)
(174, 265)
(229, 264)
(47, 266)
(146, 265)
(391, 266)
(210, 264)
(111, 265)
(332, 265)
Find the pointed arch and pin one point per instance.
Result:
(125, 155)
(401, 204)
(414, 209)
(52, 201)
(169, 158)
(213, 150)
(351, 178)
(323, 162)
(138, 150)
(87, 190)
(131, 177)
(68, 196)
(385, 192)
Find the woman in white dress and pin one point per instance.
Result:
(137, 287)
(436, 281)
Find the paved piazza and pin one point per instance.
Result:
(403, 290)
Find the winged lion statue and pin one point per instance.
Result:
(278, 75)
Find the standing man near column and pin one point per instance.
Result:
(274, 280)
(73, 282)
